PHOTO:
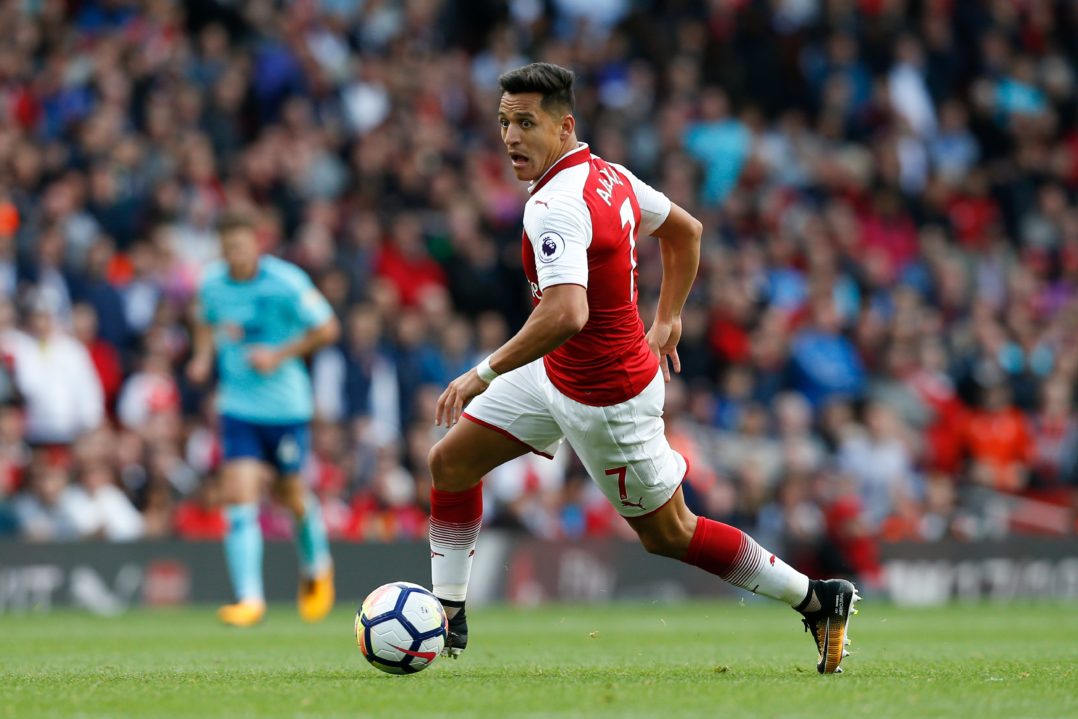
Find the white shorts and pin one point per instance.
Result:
(622, 446)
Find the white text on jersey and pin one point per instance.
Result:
(607, 179)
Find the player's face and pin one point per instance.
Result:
(240, 250)
(534, 137)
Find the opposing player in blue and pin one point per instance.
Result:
(261, 316)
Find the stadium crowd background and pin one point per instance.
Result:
(882, 343)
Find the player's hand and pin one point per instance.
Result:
(459, 393)
(264, 359)
(663, 338)
(199, 369)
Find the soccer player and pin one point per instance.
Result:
(582, 368)
(262, 315)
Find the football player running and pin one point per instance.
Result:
(583, 369)
(260, 316)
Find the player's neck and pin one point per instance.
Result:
(243, 274)
(570, 144)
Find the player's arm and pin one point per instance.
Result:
(560, 236)
(201, 364)
(313, 312)
(561, 313)
(267, 359)
(679, 246)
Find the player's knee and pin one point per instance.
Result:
(240, 482)
(290, 493)
(234, 491)
(668, 541)
(447, 472)
(660, 543)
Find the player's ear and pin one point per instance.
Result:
(568, 126)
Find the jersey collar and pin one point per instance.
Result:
(578, 155)
(259, 270)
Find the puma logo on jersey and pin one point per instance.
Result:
(540, 202)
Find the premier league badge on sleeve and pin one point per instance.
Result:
(551, 247)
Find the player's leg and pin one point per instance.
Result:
(241, 478)
(458, 463)
(624, 448)
(505, 422)
(674, 531)
(727, 552)
(290, 446)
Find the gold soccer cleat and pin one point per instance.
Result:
(242, 614)
(316, 597)
(829, 624)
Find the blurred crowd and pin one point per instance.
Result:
(882, 342)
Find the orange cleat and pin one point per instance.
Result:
(316, 597)
(242, 614)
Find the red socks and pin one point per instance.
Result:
(729, 553)
(455, 519)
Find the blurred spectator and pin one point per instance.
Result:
(95, 288)
(14, 457)
(14, 453)
(720, 143)
(44, 271)
(49, 509)
(104, 356)
(9, 270)
(387, 510)
(879, 461)
(405, 262)
(358, 379)
(954, 149)
(9, 337)
(103, 511)
(200, 516)
(824, 363)
(1055, 438)
(1000, 445)
(149, 391)
(56, 376)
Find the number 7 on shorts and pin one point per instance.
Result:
(622, 492)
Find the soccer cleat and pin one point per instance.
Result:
(456, 641)
(830, 622)
(242, 614)
(316, 597)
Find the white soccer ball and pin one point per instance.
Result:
(401, 628)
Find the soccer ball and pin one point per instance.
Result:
(401, 628)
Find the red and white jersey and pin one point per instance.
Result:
(580, 227)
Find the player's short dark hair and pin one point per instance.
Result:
(553, 82)
(233, 222)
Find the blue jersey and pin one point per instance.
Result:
(273, 308)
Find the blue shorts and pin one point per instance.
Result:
(285, 446)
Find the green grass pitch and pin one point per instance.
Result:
(720, 659)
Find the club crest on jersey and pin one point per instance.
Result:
(551, 247)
